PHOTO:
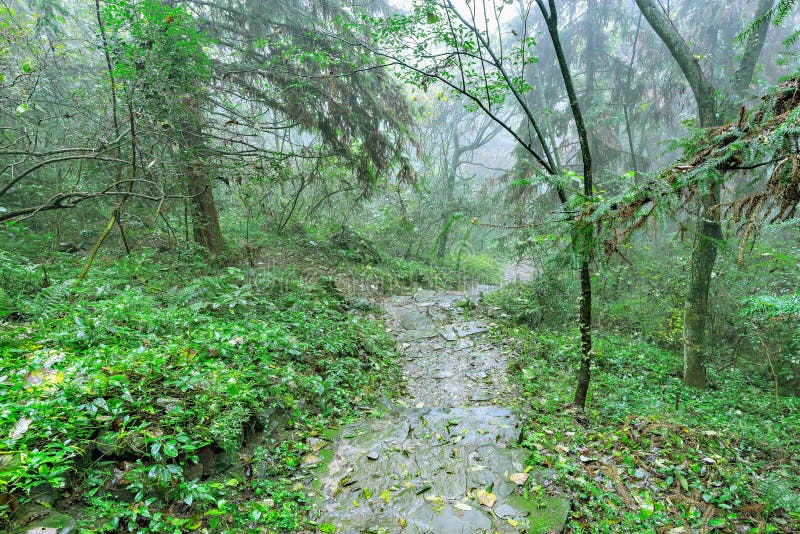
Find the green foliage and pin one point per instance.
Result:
(158, 49)
(118, 384)
(546, 301)
(395, 274)
(773, 325)
(651, 454)
(427, 25)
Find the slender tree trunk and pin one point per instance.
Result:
(584, 233)
(747, 67)
(449, 192)
(704, 254)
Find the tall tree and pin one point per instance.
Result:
(465, 49)
(708, 231)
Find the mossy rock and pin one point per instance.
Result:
(354, 246)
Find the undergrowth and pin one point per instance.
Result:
(649, 455)
(133, 393)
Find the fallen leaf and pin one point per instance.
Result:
(485, 498)
(513, 522)
(46, 377)
(20, 428)
(518, 478)
(311, 459)
(462, 506)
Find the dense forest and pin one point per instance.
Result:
(429, 266)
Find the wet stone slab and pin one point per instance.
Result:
(421, 467)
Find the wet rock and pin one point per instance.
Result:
(224, 460)
(449, 334)
(37, 519)
(193, 471)
(470, 329)
(503, 511)
(206, 459)
(417, 469)
(44, 494)
(448, 519)
(412, 319)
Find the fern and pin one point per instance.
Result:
(778, 15)
(53, 301)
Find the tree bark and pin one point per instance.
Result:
(203, 209)
(752, 50)
(449, 193)
(206, 231)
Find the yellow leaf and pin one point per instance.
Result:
(518, 478)
(485, 498)
(311, 459)
(44, 377)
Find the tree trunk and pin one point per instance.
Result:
(752, 50)
(704, 254)
(202, 208)
(584, 233)
(708, 228)
(449, 193)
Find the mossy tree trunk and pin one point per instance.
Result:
(708, 230)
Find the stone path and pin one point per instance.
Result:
(443, 459)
